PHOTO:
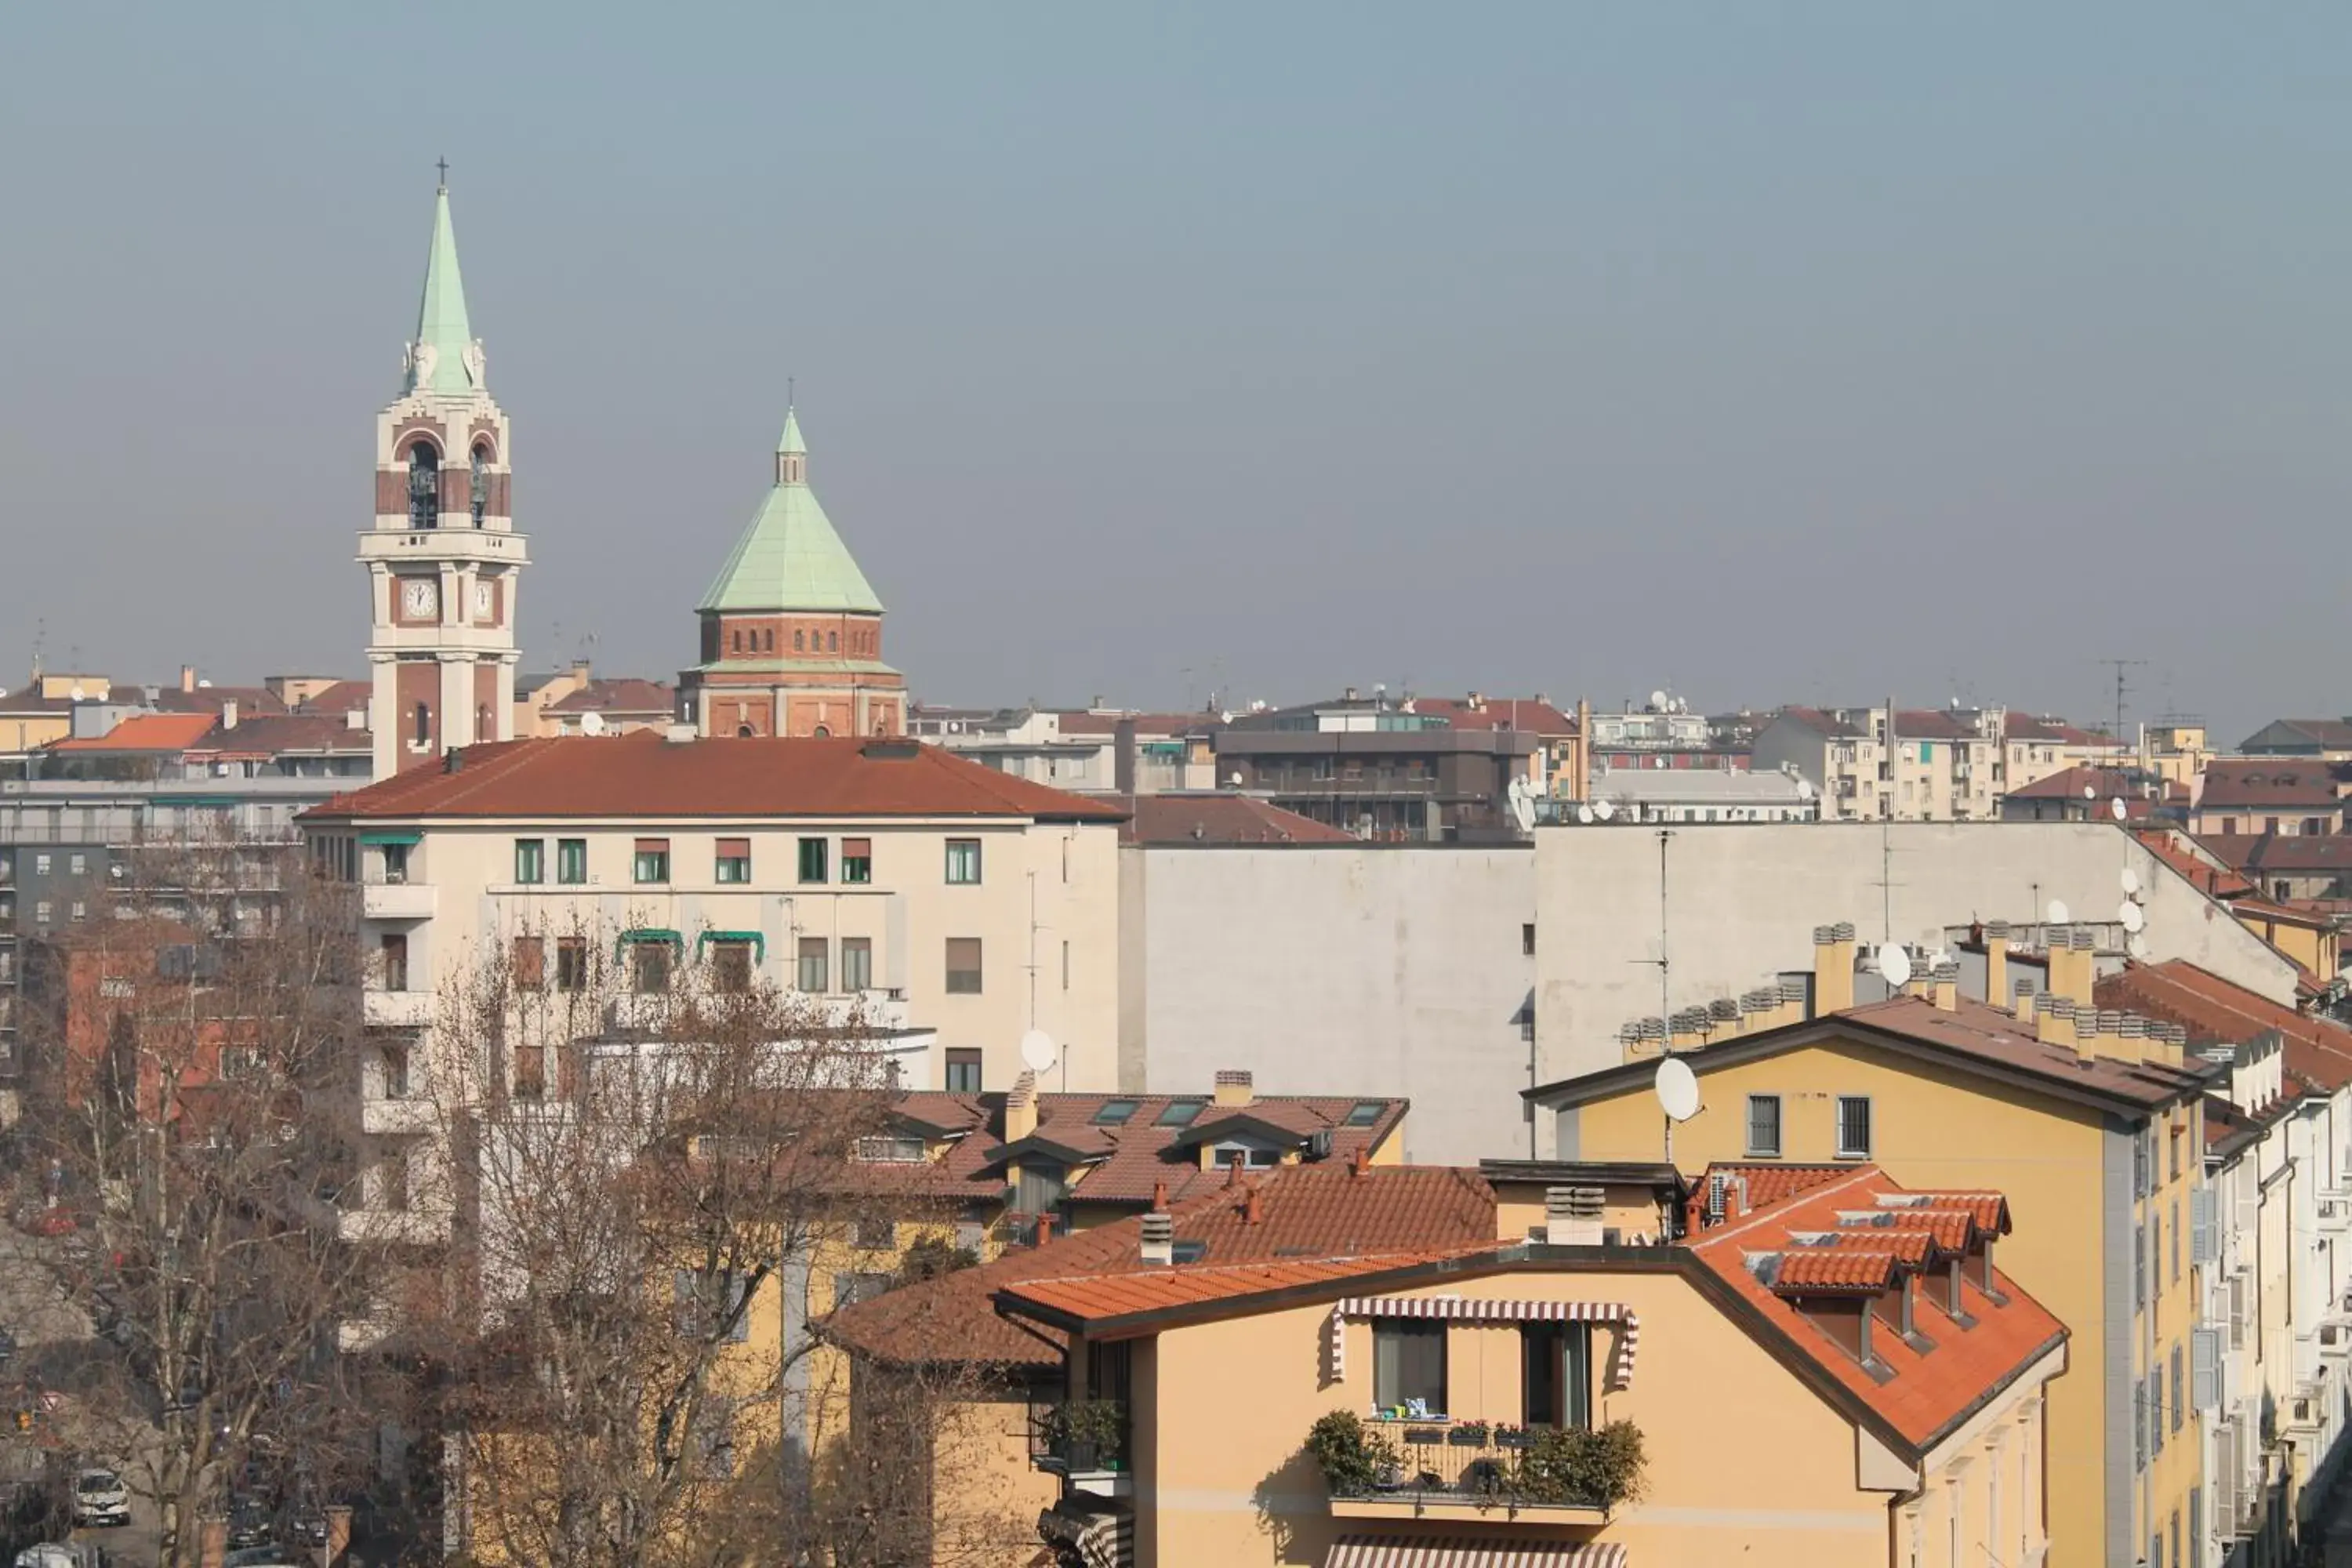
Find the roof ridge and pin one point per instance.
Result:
(1780, 1207)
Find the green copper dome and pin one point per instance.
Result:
(790, 558)
(441, 325)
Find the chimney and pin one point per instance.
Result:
(1044, 1229)
(1123, 757)
(1360, 1163)
(355, 717)
(1234, 1172)
(1251, 1213)
(1573, 1216)
(187, 677)
(1833, 968)
(580, 670)
(2022, 1002)
(1159, 1236)
(1021, 1108)
(1160, 1197)
(228, 714)
(1235, 1087)
(2072, 968)
(678, 734)
(1996, 943)
(2053, 1020)
(1944, 986)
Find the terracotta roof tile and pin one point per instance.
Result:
(2275, 783)
(644, 776)
(1117, 1295)
(1837, 1268)
(143, 732)
(2213, 881)
(2216, 1012)
(2259, 852)
(624, 694)
(273, 733)
(1221, 818)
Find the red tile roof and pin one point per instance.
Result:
(2291, 852)
(2216, 1012)
(1221, 818)
(338, 698)
(1530, 716)
(1925, 1395)
(1839, 1267)
(1322, 1210)
(2104, 784)
(143, 732)
(1826, 723)
(2213, 881)
(624, 694)
(272, 734)
(644, 776)
(2269, 783)
(2056, 732)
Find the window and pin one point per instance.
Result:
(652, 863)
(731, 965)
(530, 860)
(40, 865)
(396, 863)
(1556, 1373)
(424, 486)
(813, 859)
(649, 966)
(796, 643)
(481, 483)
(1363, 1113)
(1253, 1156)
(2175, 1242)
(1853, 1127)
(2180, 1400)
(712, 1303)
(888, 1151)
(963, 1070)
(963, 862)
(2139, 1266)
(530, 962)
(1116, 1112)
(2156, 1406)
(1764, 1126)
(857, 963)
(857, 860)
(422, 733)
(1527, 939)
(530, 1072)
(392, 952)
(572, 861)
(1409, 1363)
(1066, 966)
(2197, 1520)
(813, 952)
(78, 864)
(963, 966)
(1183, 1113)
(2156, 1255)
(734, 860)
(572, 963)
(850, 1288)
(877, 1232)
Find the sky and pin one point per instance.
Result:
(1765, 353)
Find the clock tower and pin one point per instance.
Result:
(443, 559)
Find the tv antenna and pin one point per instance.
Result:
(2119, 666)
(1666, 1013)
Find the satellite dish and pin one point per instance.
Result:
(1677, 1089)
(1523, 810)
(1037, 1050)
(205, 683)
(1603, 810)
(76, 692)
(2058, 915)
(2130, 880)
(1894, 966)
(2132, 916)
(591, 723)
(1804, 789)
(2119, 808)
(2090, 793)
(2137, 945)
(1584, 814)
(1658, 700)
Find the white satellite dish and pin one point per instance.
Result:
(1584, 814)
(591, 723)
(2132, 916)
(1603, 810)
(1677, 1089)
(2089, 793)
(76, 692)
(1523, 807)
(1894, 966)
(2119, 808)
(2058, 915)
(1804, 789)
(1037, 1050)
(2130, 880)
(1658, 700)
(2137, 945)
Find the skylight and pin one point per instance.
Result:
(1181, 1112)
(1365, 1112)
(1115, 1112)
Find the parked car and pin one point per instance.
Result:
(249, 1523)
(64, 1554)
(260, 1557)
(101, 1499)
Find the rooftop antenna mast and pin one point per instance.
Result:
(2119, 666)
(1666, 1013)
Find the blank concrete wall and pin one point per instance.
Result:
(1337, 969)
(1742, 901)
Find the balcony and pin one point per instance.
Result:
(396, 901)
(1466, 1471)
(403, 1118)
(396, 1009)
(1085, 1441)
(378, 1226)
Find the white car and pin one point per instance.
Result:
(100, 1498)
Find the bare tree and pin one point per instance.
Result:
(184, 1115)
(648, 1155)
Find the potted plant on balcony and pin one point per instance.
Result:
(1467, 1434)
(1573, 1467)
(1507, 1436)
(1087, 1434)
(1355, 1461)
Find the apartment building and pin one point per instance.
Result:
(1819, 1366)
(1929, 766)
(1096, 748)
(2089, 1121)
(2256, 798)
(2327, 740)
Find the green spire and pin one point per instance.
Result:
(441, 325)
(790, 558)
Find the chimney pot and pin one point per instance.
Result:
(1159, 1196)
(228, 714)
(1235, 1087)
(1234, 1172)
(187, 677)
(1359, 1163)
(1251, 1213)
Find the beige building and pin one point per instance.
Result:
(1935, 765)
(953, 908)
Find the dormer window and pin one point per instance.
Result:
(481, 483)
(424, 486)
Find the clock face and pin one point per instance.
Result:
(482, 600)
(420, 597)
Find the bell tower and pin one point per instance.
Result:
(443, 559)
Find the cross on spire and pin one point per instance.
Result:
(443, 164)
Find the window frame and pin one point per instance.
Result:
(962, 1070)
(650, 867)
(1755, 1147)
(820, 949)
(731, 870)
(966, 982)
(1846, 1149)
(857, 862)
(815, 853)
(572, 862)
(574, 964)
(734, 970)
(864, 947)
(965, 866)
(1394, 1383)
(530, 862)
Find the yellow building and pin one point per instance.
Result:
(1832, 1375)
(2091, 1123)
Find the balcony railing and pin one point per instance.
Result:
(1081, 1436)
(1419, 1466)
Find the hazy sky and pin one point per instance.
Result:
(1778, 351)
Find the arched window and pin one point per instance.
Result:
(424, 486)
(481, 483)
(423, 719)
(735, 641)
(796, 642)
(822, 733)
(743, 732)
(833, 641)
(771, 639)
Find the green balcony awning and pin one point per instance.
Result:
(401, 835)
(758, 939)
(629, 939)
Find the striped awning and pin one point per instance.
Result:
(1469, 1552)
(1104, 1539)
(1469, 1310)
